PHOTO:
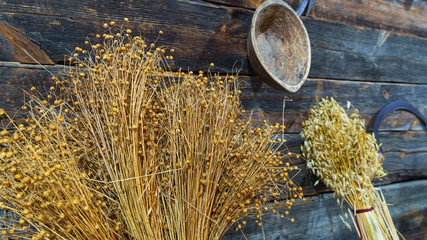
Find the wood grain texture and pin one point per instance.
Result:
(319, 217)
(16, 79)
(258, 97)
(401, 16)
(15, 47)
(202, 33)
(369, 98)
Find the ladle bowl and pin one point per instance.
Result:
(278, 46)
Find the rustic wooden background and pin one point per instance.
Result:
(369, 52)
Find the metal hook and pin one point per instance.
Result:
(391, 107)
(303, 7)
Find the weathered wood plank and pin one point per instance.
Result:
(203, 33)
(403, 17)
(319, 217)
(17, 78)
(15, 47)
(192, 29)
(259, 97)
(369, 98)
(368, 42)
(350, 66)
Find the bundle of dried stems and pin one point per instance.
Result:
(124, 148)
(341, 153)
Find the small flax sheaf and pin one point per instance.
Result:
(345, 157)
(339, 150)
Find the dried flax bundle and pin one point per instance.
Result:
(340, 152)
(50, 179)
(122, 148)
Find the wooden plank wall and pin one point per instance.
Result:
(369, 52)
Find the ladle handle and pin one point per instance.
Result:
(303, 6)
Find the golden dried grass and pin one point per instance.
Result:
(124, 148)
(340, 152)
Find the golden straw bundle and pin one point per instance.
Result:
(122, 148)
(345, 158)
